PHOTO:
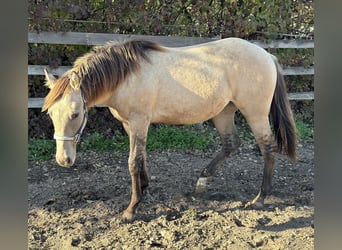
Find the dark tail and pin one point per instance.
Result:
(282, 117)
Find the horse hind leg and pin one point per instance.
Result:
(224, 123)
(264, 137)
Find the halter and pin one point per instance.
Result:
(77, 136)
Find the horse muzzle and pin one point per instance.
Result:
(65, 161)
(66, 153)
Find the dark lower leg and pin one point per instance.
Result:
(266, 186)
(229, 144)
(129, 213)
(144, 179)
(136, 169)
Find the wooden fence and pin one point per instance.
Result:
(78, 38)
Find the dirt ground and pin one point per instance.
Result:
(80, 207)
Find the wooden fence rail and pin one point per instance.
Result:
(79, 38)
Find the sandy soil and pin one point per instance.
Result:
(80, 207)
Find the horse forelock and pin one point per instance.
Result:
(60, 88)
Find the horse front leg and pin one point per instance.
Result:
(137, 170)
(144, 181)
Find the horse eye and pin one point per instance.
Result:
(74, 116)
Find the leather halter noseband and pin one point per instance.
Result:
(77, 136)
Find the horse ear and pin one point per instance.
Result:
(49, 78)
(75, 80)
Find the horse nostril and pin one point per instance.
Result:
(68, 160)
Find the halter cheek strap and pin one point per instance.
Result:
(76, 138)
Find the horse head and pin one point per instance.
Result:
(67, 109)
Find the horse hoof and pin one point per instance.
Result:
(127, 217)
(258, 202)
(201, 185)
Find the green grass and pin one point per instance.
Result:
(179, 137)
(101, 143)
(163, 137)
(304, 131)
(160, 138)
(40, 149)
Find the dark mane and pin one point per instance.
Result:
(103, 69)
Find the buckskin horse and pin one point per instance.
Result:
(143, 82)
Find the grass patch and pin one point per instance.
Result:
(304, 131)
(101, 143)
(180, 137)
(162, 137)
(159, 138)
(41, 149)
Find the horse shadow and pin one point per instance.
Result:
(189, 202)
(293, 223)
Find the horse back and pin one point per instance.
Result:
(193, 84)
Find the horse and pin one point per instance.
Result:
(143, 82)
